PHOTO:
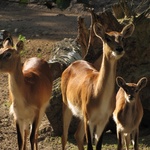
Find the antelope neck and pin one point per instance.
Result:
(16, 80)
(107, 74)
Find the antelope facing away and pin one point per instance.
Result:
(88, 93)
(30, 89)
(128, 112)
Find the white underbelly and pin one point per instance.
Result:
(76, 111)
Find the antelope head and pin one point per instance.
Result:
(131, 90)
(8, 55)
(113, 41)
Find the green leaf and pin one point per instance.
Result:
(21, 38)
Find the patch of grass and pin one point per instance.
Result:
(39, 55)
(109, 143)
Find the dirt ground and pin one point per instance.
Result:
(42, 27)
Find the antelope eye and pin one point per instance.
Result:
(123, 39)
(108, 39)
(7, 55)
(127, 90)
(120, 38)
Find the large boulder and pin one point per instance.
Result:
(63, 53)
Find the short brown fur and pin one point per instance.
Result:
(128, 112)
(30, 87)
(87, 93)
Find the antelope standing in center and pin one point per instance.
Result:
(88, 93)
(128, 112)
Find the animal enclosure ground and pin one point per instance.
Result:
(42, 28)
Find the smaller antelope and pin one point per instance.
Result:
(128, 112)
(30, 87)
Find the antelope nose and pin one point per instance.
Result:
(119, 49)
(130, 97)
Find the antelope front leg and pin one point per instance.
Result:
(20, 135)
(120, 140)
(135, 135)
(26, 134)
(99, 131)
(33, 136)
(127, 141)
(99, 144)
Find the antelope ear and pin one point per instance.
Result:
(141, 83)
(128, 30)
(19, 46)
(120, 82)
(7, 42)
(99, 31)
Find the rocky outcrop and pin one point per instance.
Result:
(63, 53)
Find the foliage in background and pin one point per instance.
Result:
(24, 1)
(21, 38)
(63, 4)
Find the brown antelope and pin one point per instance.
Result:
(30, 89)
(88, 93)
(128, 112)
